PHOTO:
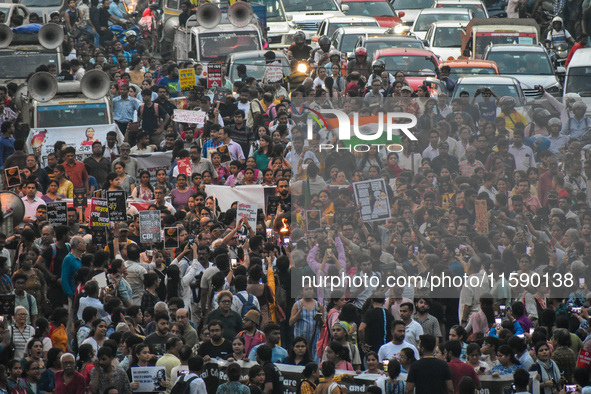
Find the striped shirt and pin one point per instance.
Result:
(20, 339)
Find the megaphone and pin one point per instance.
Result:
(240, 14)
(51, 36)
(95, 84)
(208, 15)
(42, 86)
(5, 36)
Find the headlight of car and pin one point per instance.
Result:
(553, 89)
(399, 29)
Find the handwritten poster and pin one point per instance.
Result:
(248, 211)
(214, 75)
(372, 196)
(150, 226)
(191, 117)
(187, 78)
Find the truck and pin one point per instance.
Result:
(25, 48)
(211, 36)
(66, 111)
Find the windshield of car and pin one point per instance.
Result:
(348, 42)
(425, 20)
(42, 3)
(530, 63)
(370, 8)
(412, 4)
(499, 90)
(457, 72)
(255, 67)
(579, 81)
(72, 115)
(448, 37)
(373, 46)
(486, 38)
(274, 10)
(219, 45)
(332, 27)
(477, 8)
(310, 5)
(410, 65)
(19, 64)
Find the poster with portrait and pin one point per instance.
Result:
(12, 176)
(149, 378)
(171, 237)
(313, 219)
(372, 196)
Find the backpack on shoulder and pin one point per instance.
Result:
(247, 304)
(182, 386)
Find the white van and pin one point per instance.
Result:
(578, 76)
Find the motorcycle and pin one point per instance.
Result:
(558, 53)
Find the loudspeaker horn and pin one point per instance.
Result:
(5, 36)
(22, 92)
(42, 86)
(240, 14)
(95, 84)
(208, 15)
(51, 36)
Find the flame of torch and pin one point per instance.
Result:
(285, 228)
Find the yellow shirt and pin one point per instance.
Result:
(515, 117)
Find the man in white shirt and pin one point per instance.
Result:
(197, 385)
(413, 329)
(431, 151)
(473, 289)
(391, 350)
(31, 202)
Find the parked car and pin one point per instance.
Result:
(416, 64)
(381, 10)
(373, 43)
(467, 68)
(330, 25)
(444, 39)
(529, 64)
(427, 16)
(345, 38)
(475, 5)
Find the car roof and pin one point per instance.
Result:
(450, 24)
(362, 1)
(582, 57)
(361, 30)
(251, 54)
(457, 2)
(445, 11)
(388, 37)
(347, 19)
(487, 80)
(469, 63)
(403, 52)
(516, 48)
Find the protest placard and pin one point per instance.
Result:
(224, 152)
(372, 195)
(117, 205)
(187, 78)
(7, 304)
(13, 177)
(584, 359)
(150, 226)
(248, 211)
(99, 212)
(274, 73)
(80, 198)
(171, 237)
(272, 204)
(191, 117)
(214, 75)
(57, 212)
(99, 236)
(149, 378)
(184, 166)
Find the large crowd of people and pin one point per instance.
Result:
(85, 314)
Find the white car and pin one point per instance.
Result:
(444, 39)
(430, 15)
(344, 38)
(408, 10)
(307, 15)
(330, 25)
(475, 5)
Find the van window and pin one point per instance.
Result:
(579, 81)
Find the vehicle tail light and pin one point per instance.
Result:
(401, 14)
(451, 58)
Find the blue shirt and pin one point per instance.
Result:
(174, 86)
(6, 149)
(209, 144)
(576, 129)
(116, 11)
(279, 354)
(126, 55)
(124, 110)
(70, 265)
